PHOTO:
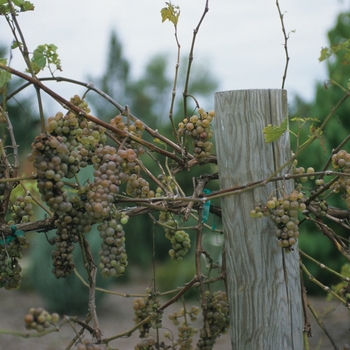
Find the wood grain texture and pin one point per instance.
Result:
(264, 296)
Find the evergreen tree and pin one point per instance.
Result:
(327, 95)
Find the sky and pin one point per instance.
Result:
(240, 41)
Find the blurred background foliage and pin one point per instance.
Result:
(148, 97)
(327, 95)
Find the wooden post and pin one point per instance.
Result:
(263, 280)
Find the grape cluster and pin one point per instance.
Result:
(135, 128)
(341, 160)
(138, 187)
(131, 149)
(218, 319)
(50, 155)
(284, 214)
(66, 236)
(186, 331)
(87, 345)
(147, 344)
(72, 143)
(22, 210)
(199, 128)
(144, 307)
(179, 239)
(101, 193)
(10, 270)
(39, 319)
(113, 258)
(300, 171)
(168, 182)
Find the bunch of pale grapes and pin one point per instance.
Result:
(168, 182)
(300, 171)
(179, 239)
(135, 128)
(131, 149)
(144, 307)
(113, 258)
(199, 128)
(284, 214)
(87, 345)
(101, 193)
(51, 159)
(192, 314)
(321, 207)
(147, 344)
(81, 136)
(181, 243)
(66, 237)
(10, 270)
(186, 331)
(341, 161)
(218, 318)
(138, 187)
(21, 210)
(39, 319)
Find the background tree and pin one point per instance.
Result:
(327, 95)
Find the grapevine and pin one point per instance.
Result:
(92, 174)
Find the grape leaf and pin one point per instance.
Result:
(23, 6)
(4, 76)
(15, 44)
(325, 54)
(170, 13)
(274, 132)
(335, 48)
(45, 55)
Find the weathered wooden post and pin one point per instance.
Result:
(263, 280)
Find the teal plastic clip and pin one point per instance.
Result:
(14, 233)
(206, 207)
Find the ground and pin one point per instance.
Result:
(115, 318)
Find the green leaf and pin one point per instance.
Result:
(4, 9)
(27, 6)
(273, 132)
(5, 76)
(170, 13)
(19, 6)
(325, 53)
(43, 56)
(15, 44)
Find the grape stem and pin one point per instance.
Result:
(307, 325)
